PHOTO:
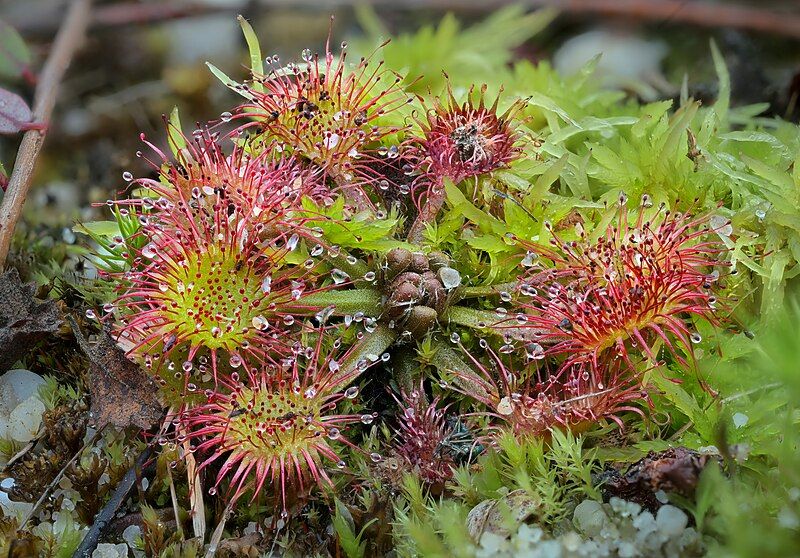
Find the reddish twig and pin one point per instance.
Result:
(693, 12)
(67, 41)
(701, 13)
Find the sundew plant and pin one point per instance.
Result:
(423, 296)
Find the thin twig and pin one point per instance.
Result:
(20, 454)
(67, 41)
(691, 12)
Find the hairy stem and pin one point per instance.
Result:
(448, 361)
(345, 302)
(427, 215)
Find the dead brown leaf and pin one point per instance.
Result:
(23, 320)
(122, 393)
(673, 470)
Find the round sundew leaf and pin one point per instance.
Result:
(15, 58)
(15, 113)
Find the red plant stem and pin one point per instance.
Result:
(67, 41)
(427, 216)
(691, 12)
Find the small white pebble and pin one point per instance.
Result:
(671, 521)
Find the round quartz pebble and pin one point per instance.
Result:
(20, 407)
(671, 521)
(645, 525)
(108, 550)
(130, 534)
(589, 517)
(25, 419)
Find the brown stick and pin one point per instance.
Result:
(67, 41)
(693, 12)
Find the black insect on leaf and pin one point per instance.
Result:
(459, 442)
(24, 320)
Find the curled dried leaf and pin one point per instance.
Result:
(122, 394)
(676, 470)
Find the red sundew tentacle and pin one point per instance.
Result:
(298, 472)
(282, 481)
(262, 473)
(243, 471)
(311, 464)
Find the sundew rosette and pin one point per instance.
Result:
(630, 292)
(458, 141)
(275, 429)
(420, 438)
(532, 398)
(329, 113)
(463, 140)
(212, 276)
